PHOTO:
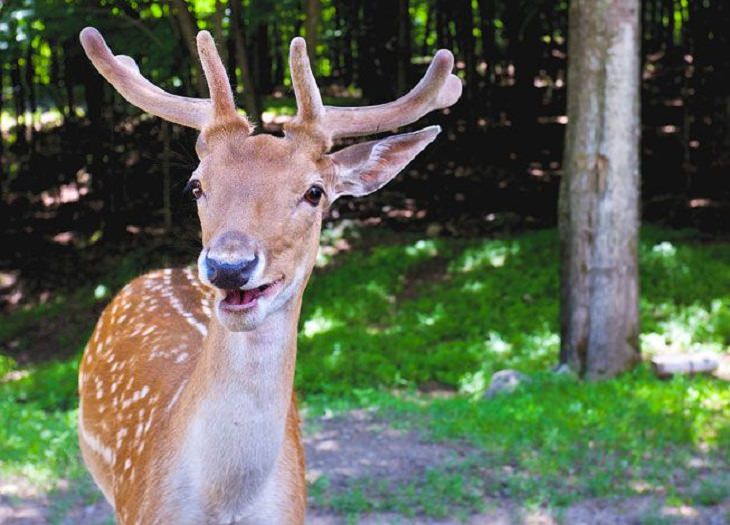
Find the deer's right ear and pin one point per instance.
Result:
(364, 168)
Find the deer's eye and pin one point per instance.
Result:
(194, 188)
(314, 195)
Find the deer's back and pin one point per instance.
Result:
(133, 370)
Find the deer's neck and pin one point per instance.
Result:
(231, 417)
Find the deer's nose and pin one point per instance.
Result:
(230, 275)
(231, 260)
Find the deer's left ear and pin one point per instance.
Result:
(363, 168)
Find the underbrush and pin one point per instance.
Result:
(405, 313)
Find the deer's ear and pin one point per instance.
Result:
(364, 168)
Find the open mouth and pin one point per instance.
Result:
(237, 300)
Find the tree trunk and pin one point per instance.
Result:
(349, 44)
(311, 28)
(250, 98)
(166, 185)
(487, 16)
(444, 38)
(189, 31)
(32, 100)
(19, 100)
(464, 18)
(219, 35)
(279, 67)
(262, 58)
(2, 139)
(404, 46)
(68, 82)
(599, 193)
(377, 47)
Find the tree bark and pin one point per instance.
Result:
(599, 193)
(166, 184)
(189, 31)
(68, 82)
(464, 19)
(404, 46)
(219, 35)
(311, 28)
(2, 138)
(262, 60)
(32, 100)
(250, 99)
(19, 102)
(377, 47)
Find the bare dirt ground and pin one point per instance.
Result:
(355, 446)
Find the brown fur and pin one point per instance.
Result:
(168, 378)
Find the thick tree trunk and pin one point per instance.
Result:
(599, 211)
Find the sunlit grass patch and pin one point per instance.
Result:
(565, 439)
(495, 306)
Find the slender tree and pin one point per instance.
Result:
(218, 15)
(188, 29)
(598, 212)
(250, 93)
(313, 8)
(404, 46)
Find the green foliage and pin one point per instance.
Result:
(456, 311)
(712, 491)
(374, 321)
(402, 312)
(39, 444)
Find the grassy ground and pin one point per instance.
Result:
(398, 316)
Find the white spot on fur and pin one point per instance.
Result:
(176, 396)
(93, 441)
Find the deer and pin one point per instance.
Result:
(187, 411)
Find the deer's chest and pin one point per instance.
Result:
(228, 456)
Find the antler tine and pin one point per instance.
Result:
(218, 84)
(122, 73)
(437, 89)
(309, 100)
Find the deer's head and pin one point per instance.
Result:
(261, 198)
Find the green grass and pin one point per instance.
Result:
(391, 315)
(568, 440)
(438, 493)
(492, 304)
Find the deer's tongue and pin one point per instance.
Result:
(241, 297)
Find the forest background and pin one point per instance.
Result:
(462, 246)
